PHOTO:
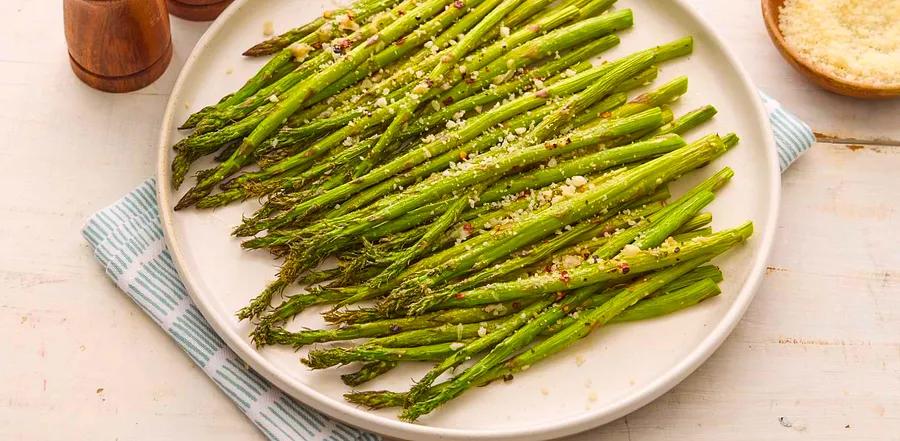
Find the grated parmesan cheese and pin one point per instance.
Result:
(300, 51)
(268, 28)
(854, 40)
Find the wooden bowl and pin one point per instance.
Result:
(771, 10)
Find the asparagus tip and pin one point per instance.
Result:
(191, 197)
(322, 359)
(261, 49)
(376, 399)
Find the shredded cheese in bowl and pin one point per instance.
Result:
(855, 41)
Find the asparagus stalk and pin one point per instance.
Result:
(380, 399)
(368, 372)
(427, 241)
(504, 342)
(336, 356)
(571, 60)
(322, 34)
(455, 54)
(359, 10)
(385, 327)
(503, 164)
(652, 232)
(623, 187)
(584, 165)
(460, 352)
(392, 53)
(464, 331)
(474, 126)
(601, 272)
(524, 336)
(305, 89)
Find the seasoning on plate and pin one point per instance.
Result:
(854, 40)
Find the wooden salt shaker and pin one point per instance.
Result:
(197, 10)
(118, 45)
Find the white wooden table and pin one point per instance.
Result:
(819, 349)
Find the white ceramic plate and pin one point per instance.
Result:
(619, 369)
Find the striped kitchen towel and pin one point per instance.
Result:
(792, 136)
(127, 239)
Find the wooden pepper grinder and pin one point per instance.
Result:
(118, 45)
(197, 10)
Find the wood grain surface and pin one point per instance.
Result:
(817, 357)
(118, 46)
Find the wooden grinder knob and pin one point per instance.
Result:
(197, 10)
(118, 45)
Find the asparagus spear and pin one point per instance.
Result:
(628, 185)
(601, 272)
(461, 352)
(368, 372)
(652, 232)
(427, 241)
(629, 296)
(275, 44)
(659, 302)
(381, 399)
(385, 327)
(324, 33)
(570, 60)
(305, 89)
(502, 164)
(424, 89)
(474, 126)
(377, 61)
(336, 356)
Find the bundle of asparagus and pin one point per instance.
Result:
(489, 193)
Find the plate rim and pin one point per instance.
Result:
(358, 417)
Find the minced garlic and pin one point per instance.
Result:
(854, 40)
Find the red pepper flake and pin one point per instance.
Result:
(516, 305)
(458, 4)
(400, 41)
(543, 93)
(606, 114)
(448, 101)
(401, 12)
(560, 295)
(677, 250)
(548, 269)
(564, 276)
(459, 296)
(550, 145)
(624, 268)
(534, 28)
(467, 227)
(469, 80)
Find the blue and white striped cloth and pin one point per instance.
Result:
(127, 239)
